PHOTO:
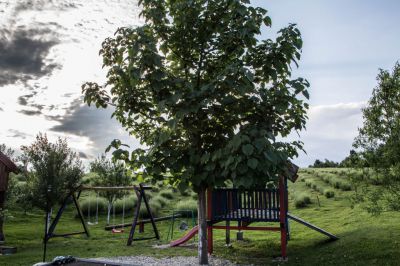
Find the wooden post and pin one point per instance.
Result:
(209, 218)
(45, 239)
(78, 208)
(202, 225)
(228, 233)
(135, 218)
(282, 216)
(149, 211)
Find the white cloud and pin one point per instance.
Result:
(330, 132)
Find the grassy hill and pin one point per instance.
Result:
(364, 239)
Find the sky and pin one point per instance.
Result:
(48, 49)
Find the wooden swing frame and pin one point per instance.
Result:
(75, 194)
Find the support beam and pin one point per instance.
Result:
(244, 228)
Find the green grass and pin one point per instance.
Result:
(364, 239)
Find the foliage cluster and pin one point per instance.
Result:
(56, 171)
(379, 141)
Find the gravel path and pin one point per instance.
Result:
(176, 261)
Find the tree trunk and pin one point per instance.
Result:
(108, 212)
(202, 249)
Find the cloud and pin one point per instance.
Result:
(83, 155)
(330, 132)
(30, 112)
(40, 5)
(96, 124)
(17, 134)
(23, 55)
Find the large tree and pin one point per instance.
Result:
(379, 141)
(208, 100)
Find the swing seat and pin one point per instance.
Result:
(117, 231)
(90, 223)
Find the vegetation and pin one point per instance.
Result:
(302, 200)
(56, 171)
(379, 140)
(364, 239)
(189, 205)
(110, 174)
(326, 164)
(329, 193)
(208, 101)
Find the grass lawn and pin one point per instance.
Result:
(364, 239)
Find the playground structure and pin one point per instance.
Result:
(246, 206)
(74, 196)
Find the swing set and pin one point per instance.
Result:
(74, 196)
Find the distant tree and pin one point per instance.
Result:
(110, 174)
(9, 152)
(379, 141)
(355, 159)
(55, 171)
(208, 99)
(324, 164)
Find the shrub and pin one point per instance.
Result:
(149, 195)
(185, 193)
(84, 204)
(194, 195)
(155, 208)
(130, 203)
(329, 193)
(161, 200)
(187, 207)
(302, 200)
(309, 182)
(168, 194)
(345, 186)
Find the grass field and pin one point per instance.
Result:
(364, 239)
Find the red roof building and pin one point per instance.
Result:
(6, 167)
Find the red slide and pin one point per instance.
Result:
(185, 238)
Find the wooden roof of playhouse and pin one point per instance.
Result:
(292, 172)
(10, 166)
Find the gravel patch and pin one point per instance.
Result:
(176, 261)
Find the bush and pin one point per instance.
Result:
(302, 200)
(309, 183)
(130, 203)
(161, 200)
(149, 195)
(185, 193)
(194, 195)
(155, 209)
(187, 207)
(84, 204)
(345, 186)
(329, 193)
(168, 194)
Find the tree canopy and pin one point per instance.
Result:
(379, 139)
(56, 171)
(203, 94)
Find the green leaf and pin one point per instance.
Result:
(252, 163)
(248, 149)
(270, 156)
(305, 93)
